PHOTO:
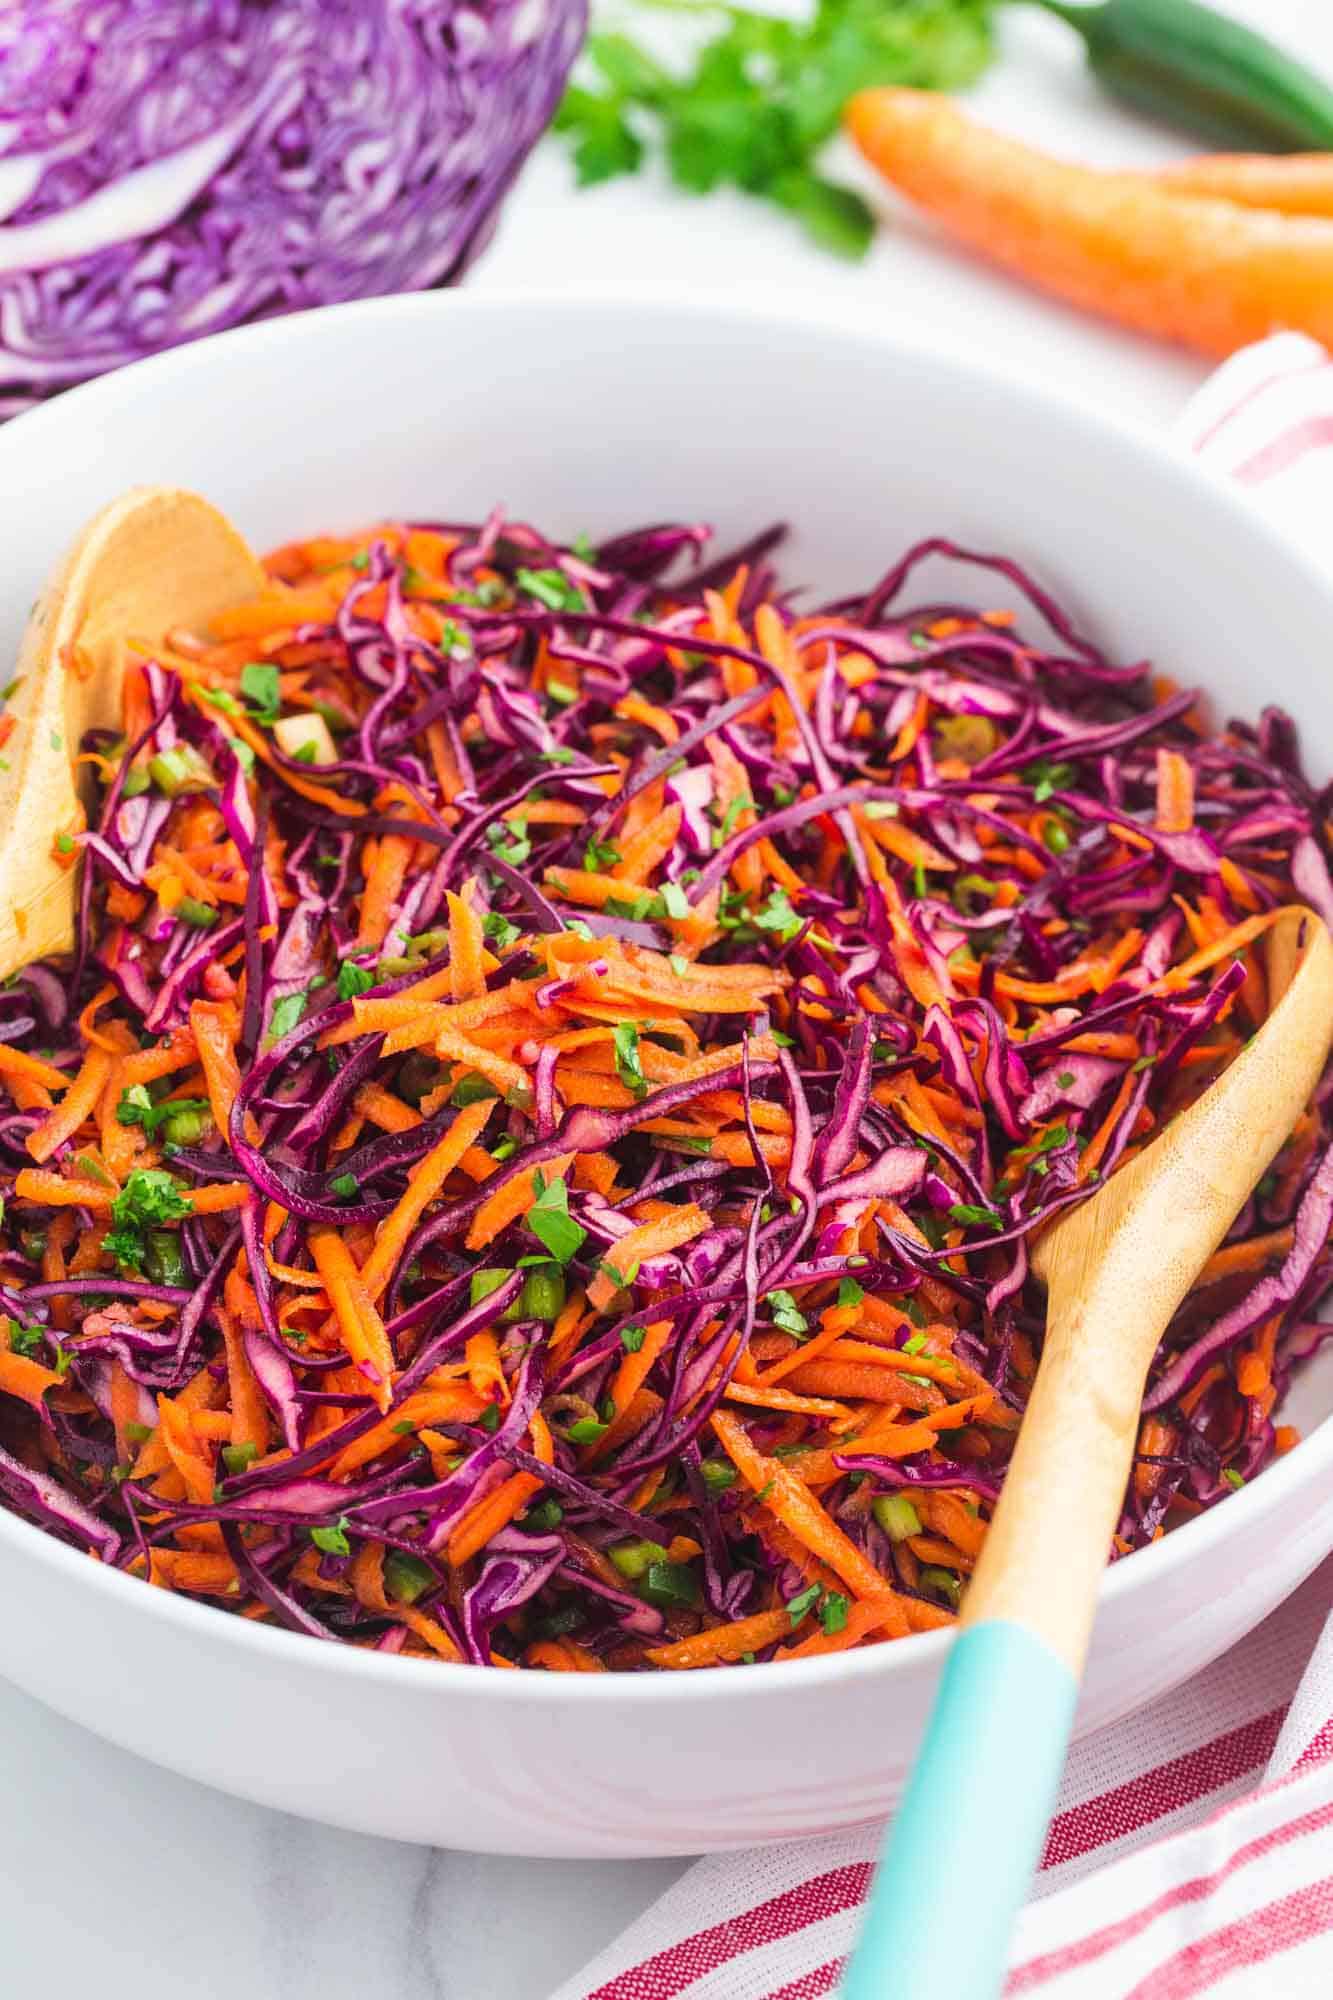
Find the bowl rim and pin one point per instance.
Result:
(1162, 459)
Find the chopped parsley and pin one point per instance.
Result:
(629, 1067)
(552, 588)
(970, 1216)
(786, 1314)
(354, 979)
(261, 685)
(803, 1603)
(599, 855)
(149, 1198)
(551, 1223)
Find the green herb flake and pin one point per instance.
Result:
(586, 1430)
(332, 1541)
(287, 1013)
(632, 1338)
(508, 841)
(551, 1223)
(777, 915)
(499, 930)
(261, 685)
(833, 1613)
(552, 588)
(970, 1216)
(802, 1604)
(472, 1088)
(236, 1457)
(671, 1586)
(219, 698)
(149, 1198)
(354, 979)
(629, 1067)
(25, 1340)
(1047, 778)
(786, 1314)
(849, 1292)
(730, 817)
(599, 855)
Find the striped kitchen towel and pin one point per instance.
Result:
(1193, 1847)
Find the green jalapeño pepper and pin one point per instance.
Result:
(1191, 67)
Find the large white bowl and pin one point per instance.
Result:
(594, 414)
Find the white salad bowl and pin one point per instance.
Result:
(592, 414)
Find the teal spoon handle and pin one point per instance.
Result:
(974, 1818)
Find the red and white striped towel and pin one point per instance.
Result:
(1193, 1848)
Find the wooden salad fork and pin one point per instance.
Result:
(970, 1829)
(156, 558)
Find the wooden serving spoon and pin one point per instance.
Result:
(156, 558)
(970, 1829)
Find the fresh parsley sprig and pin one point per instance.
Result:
(763, 96)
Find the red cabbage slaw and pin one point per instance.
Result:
(534, 1159)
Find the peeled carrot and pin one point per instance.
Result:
(211, 1027)
(28, 1380)
(490, 1515)
(1175, 792)
(650, 1239)
(725, 1642)
(1292, 183)
(53, 1190)
(362, 1328)
(79, 1102)
(383, 885)
(14, 1062)
(427, 1178)
(797, 1508)
(1208, 273)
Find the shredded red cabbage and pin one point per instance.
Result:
(534, 1157)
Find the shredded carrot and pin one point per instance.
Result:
(427, 1178)
(79, 1102)
(725, 1642)
(361, 1326)
(797, 1508)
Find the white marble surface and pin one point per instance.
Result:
(119, 1881)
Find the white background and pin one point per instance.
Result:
(119, 1881)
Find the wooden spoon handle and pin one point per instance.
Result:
(1050, 1538)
